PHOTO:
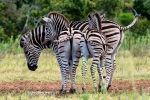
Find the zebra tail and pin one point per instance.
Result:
(136, 16)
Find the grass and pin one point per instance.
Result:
(132, 64)
(13, 67)
(91, 96)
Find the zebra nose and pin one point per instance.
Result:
(32, 68)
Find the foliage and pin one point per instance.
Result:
(112, 7)
(19, 16)
(143, 7)
(141, 27)
(125, 18)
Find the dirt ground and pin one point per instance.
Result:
(53, 87)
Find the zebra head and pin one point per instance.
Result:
(56, 23)
(31, 52)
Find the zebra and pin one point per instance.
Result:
(63, 49)
(93, 44)
(35, 40)
(114, 35)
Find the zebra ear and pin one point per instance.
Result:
(89, 17)
(102, 16)
(97, 19)
(46, 19)
(23, 42)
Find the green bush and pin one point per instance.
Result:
(125, 18)
(141, 27)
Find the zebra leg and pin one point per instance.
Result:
(84, 70)
(64, 52)
(85, 55)
(100, 72)
(93, 70)
(61, 70)
(73, 74)
(75, 60)
(109, 69)
(110, 82)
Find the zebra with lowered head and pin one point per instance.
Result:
(36, 39)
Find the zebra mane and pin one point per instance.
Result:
(59, 14)
(99, 20)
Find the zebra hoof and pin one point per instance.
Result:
(108, 87)
(83, 90)
(104, 76)
(61, 91)
(72, 90)
(99, 88)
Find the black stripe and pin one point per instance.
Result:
(83, 26)
(79, 25)
(109, 35)
(108, 21)
(33, 38)
(43, 36)
(112, 41)
(94, 35)
(108, 27)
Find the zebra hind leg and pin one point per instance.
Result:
(65, 75)
(93, 70)
(73, 74)
(84, 70)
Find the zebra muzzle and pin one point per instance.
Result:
(32, 67)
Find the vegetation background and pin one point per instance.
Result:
(19, 16)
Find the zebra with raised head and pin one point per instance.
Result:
(114, 35)
(36, 39)
(93, 44)
(63, 49)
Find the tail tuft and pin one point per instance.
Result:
(133, 11)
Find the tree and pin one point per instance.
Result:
(75, 9)
(142, 7)
(112, 7)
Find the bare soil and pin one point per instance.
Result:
(53, 87)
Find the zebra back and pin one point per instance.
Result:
(35, 37)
